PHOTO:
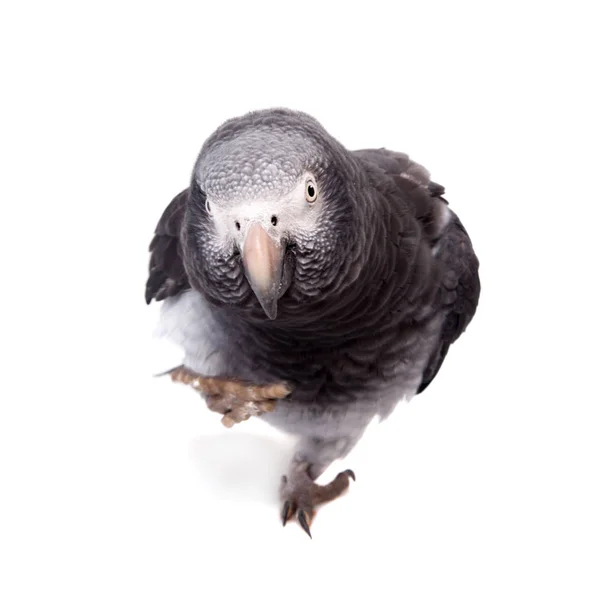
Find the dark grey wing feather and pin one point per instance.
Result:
(167, 276)
(458, 294)
(422, 196)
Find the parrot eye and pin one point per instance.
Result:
(311, 191)
(208, 207)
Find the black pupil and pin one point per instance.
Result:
(311, 191)
(237, 225)
(274, 220)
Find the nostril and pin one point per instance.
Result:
(237, 225)
(274, 220)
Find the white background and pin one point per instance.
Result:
(118, 485)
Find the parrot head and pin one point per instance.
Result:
(270, 204)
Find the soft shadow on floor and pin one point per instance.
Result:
(242, 466)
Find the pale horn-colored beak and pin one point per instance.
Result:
(263, 261)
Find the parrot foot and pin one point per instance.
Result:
(301, 495)
(236, 400)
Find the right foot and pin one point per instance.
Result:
(236, 400)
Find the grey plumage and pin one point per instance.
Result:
(377, 277)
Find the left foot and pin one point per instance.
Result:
(300, 495)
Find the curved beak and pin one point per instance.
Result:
(263, 261)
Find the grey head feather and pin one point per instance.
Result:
(244, 170)
(263, 152)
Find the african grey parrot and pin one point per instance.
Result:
(310, 285)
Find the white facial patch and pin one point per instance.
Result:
(281, 215)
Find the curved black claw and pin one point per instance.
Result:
(285, 512)
(350, 473)
(301, 516)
